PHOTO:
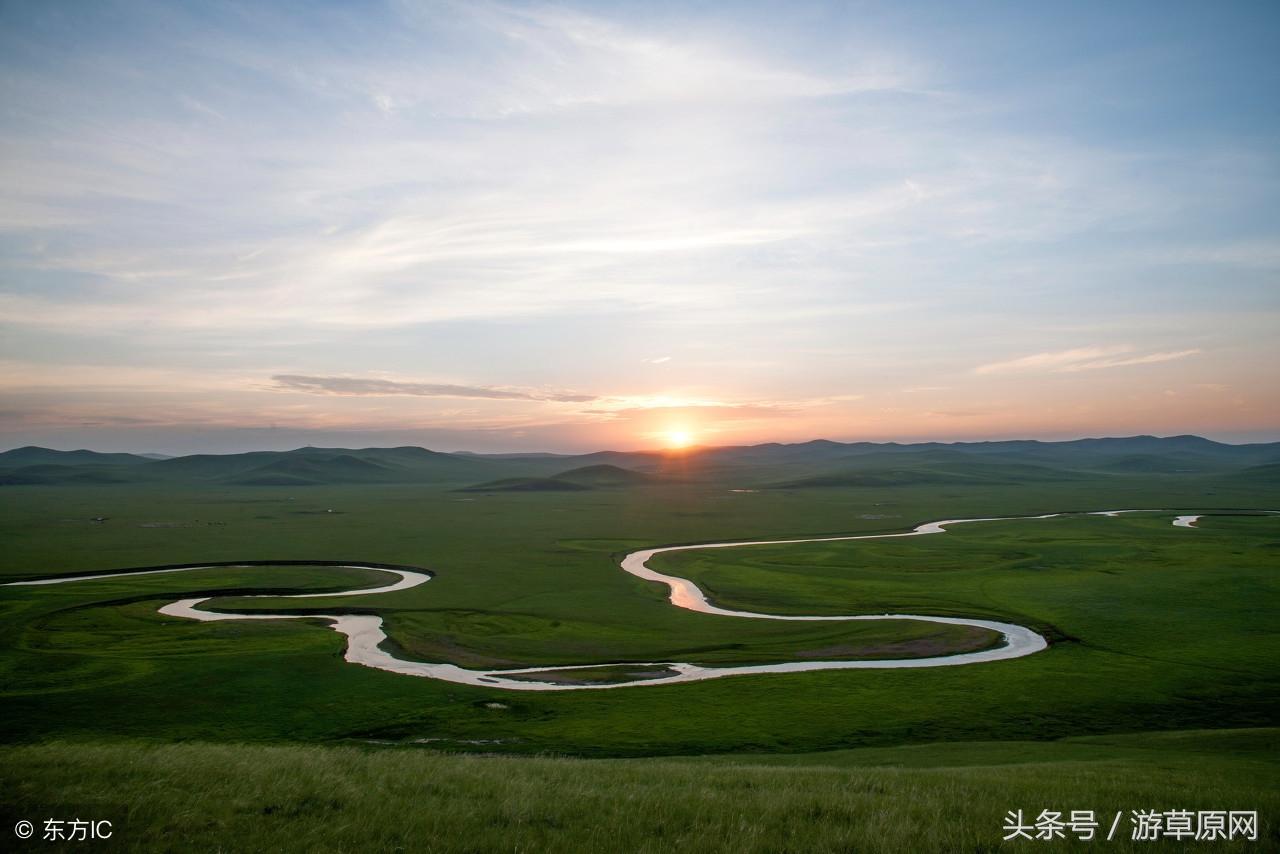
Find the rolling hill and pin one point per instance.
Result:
(32, 455)
(605, 475)
(601, 476)
(51, 473)
(820, 463)
(525, 484)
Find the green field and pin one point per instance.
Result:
(950, 798)
(1154, 630)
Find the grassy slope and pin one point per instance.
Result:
(928, 798)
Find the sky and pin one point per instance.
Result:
(517, 226)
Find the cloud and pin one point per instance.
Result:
(367, 387)
(553, 59)
(657, 408)
(527, 160)
(1149, 359)
(1080, 359)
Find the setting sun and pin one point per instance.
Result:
(679, 438)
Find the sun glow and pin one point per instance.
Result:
(678, 439)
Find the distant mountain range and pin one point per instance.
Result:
(807, 465)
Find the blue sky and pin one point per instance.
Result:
(501, 226)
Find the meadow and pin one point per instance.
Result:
(1159, 689)
(953, 798)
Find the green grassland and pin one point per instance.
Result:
(1155, 629)
(950, 798)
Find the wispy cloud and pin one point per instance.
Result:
(652, 177)
(1081, 359)
(367, 387)
(570, 59)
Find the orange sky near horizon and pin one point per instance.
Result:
(1165, 398)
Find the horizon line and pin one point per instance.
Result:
(684, 451)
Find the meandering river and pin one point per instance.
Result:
(365, 635)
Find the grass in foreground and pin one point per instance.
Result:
(945, 797)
